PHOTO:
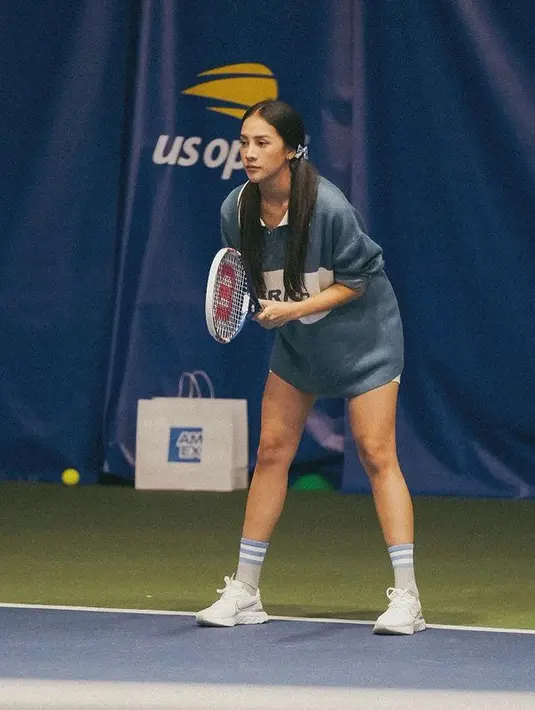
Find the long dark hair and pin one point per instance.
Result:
(304, 187)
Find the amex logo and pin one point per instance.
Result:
(185, 444)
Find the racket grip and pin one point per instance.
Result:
(254, 306)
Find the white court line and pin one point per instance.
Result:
(446, 627)
(107, 609)
(18, 694)
(312, 620)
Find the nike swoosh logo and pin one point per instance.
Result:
(239, 607)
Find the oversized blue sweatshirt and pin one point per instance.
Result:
(353, 348)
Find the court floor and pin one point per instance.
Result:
(75, 657)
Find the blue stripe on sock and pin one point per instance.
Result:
(402, 555)
(247, 561)
(255, 543)
(397, 548)
(252, 552)
(260, 554)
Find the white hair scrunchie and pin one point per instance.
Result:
(301, 152)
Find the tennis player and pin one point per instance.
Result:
(339, 334)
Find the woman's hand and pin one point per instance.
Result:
(276, 313)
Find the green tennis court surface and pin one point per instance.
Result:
(112, 546)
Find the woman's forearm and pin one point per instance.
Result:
(332, 297)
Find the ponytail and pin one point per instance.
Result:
(302, 201)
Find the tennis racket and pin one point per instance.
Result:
(229, 298)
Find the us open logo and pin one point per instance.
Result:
(235, 88)
(185, 444)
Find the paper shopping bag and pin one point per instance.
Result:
(191, 443)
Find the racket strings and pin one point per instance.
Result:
(231, 291)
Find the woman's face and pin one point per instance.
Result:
(263, 152)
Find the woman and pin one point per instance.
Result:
(322, 285)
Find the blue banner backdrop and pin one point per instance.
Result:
(451, 137)
(62, 89)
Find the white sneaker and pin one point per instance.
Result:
(403, 616)
(236, 606)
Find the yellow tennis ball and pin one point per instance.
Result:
(70, 477)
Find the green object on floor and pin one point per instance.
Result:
(312, 482)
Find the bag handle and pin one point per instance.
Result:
(194, 389)
(207, 379)
(193, 386)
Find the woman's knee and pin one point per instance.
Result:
(275, 450)
(377, 456)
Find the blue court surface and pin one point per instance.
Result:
(66, 658)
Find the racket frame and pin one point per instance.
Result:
(250, 306)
